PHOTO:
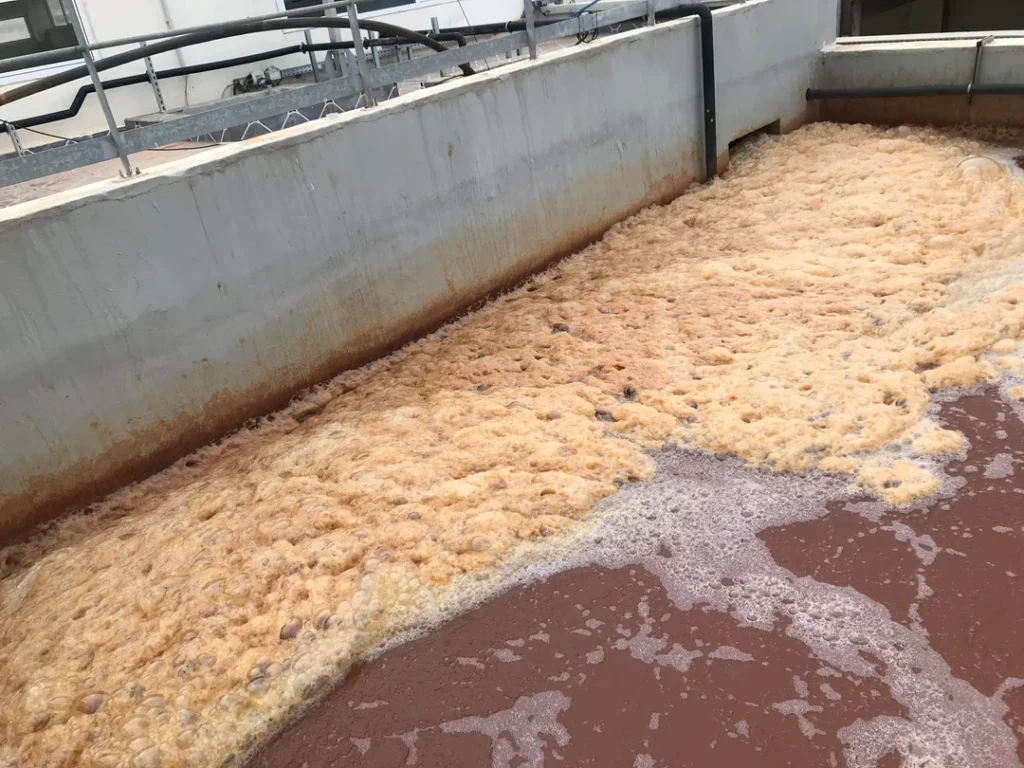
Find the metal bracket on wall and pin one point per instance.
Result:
(977, 66)
(155, 82)
(12, 132)
(531, 32)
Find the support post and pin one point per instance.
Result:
(154, 82)
(531, 35)
(71, 12)
(357, 44)
(435, 29)
(12, 132)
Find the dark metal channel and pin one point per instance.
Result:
(910, 91)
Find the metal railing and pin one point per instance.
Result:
(360, 84)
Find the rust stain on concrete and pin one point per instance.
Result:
(138, 455)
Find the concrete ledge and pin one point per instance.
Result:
(141, 319)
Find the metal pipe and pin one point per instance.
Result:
(60, 54)
(374, 49)
(910, 91)
(210, 66)
(312, 56)
(71, 12)
(707, 62)
(239, 28)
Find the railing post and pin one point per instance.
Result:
(375, 49)
(531, 34)
(312, 56)
(435, 29)
(357, 43)
(334, 61)
(651, 12)
(153, 81)
(122, 151)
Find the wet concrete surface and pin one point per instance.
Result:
(601, 666)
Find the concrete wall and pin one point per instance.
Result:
(112, 19)
(949, 62)
(139, 319)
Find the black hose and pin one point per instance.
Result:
(447, 36)
(210, 66)
(909, 91)
(707, 66)
(230, 30)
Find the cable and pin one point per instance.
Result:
(586, 37)
(233, 29)
(182, 149)
(17, 127)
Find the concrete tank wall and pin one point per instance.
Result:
(895, 63)
(139, 319)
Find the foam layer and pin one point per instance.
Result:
(797, 314)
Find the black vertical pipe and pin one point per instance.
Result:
(707, 59)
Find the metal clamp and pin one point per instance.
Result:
(977, 66)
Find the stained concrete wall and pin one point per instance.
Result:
(139, 319)
(946, 62)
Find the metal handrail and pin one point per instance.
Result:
(50, 57)
(221, 116)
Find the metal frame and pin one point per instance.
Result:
(122, 143)
(47, 57)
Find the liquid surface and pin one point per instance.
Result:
(797, 314)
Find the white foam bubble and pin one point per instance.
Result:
(695, 527)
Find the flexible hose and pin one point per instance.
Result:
(210, 66)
